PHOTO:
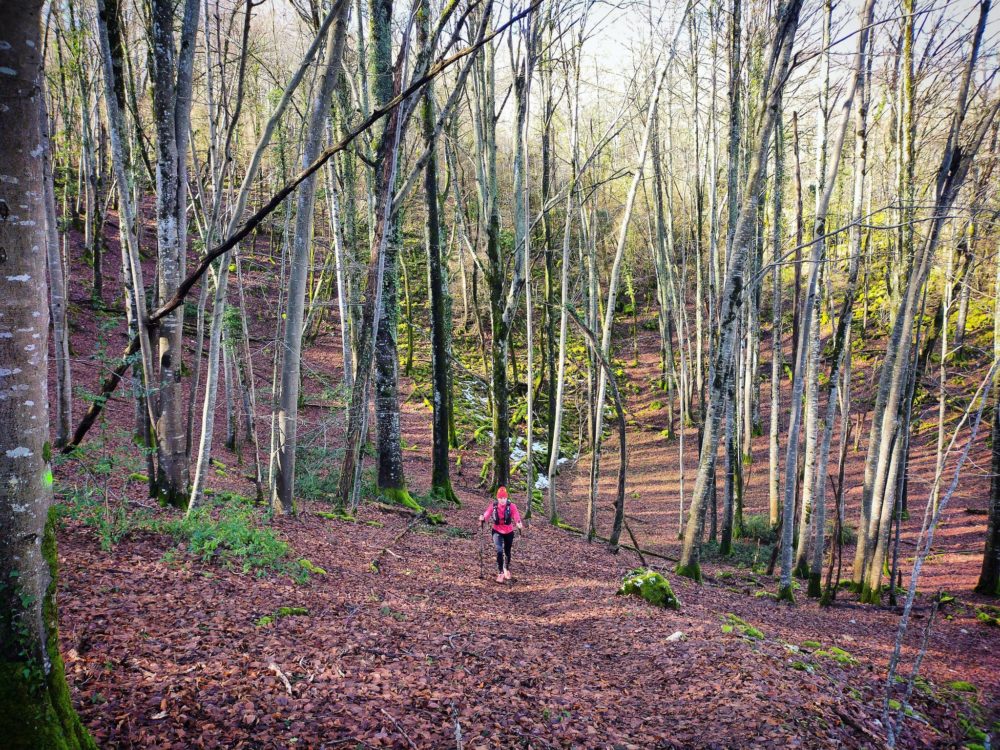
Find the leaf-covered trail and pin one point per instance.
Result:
(164, 651)
(168, 654)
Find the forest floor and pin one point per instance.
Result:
(165, 650)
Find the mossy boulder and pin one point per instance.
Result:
(651, 586)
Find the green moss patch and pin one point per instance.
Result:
(961, 686)
(651, 586)
(838, 655)
(986, 616)
(733, 624)
(279, 613)
(340, 515)
(309, 566)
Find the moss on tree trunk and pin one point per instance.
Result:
(35, 707)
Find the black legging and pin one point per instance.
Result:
(503, 544)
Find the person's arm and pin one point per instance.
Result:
(485, 514)
(517, 516)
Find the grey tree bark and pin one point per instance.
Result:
(779, 59)
(35, 706)
(955, 163)
(283, 489)
(842, 335)
(172, 81)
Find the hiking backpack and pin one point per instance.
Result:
(496, 513)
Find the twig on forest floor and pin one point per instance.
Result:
(399, 728)
(386, 550)
(281, 676)
(459, 745)
(854, 723)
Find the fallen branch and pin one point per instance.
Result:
(858, 726)
(629, 547)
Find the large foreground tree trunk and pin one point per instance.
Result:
(989, 577)
(35, 707)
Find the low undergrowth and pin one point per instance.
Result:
(228, 530)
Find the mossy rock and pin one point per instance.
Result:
(651, 586)
(340, 515)
(838, 655)
(812, 645)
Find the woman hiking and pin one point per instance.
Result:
(505, 518)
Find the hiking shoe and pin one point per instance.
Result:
(506, 575)
(500, 578)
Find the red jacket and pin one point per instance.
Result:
(501, 527)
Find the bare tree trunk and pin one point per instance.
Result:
(774, 482)
(172, 81)
(573, 96)
(609, 308)
(842, 336)
(57, 293)
(989, 577)
(283, 489)
(391, 481)
(955, 163)
(220, 172)
(437, 287)
(733, 290)
(349, 486)
(799, 231)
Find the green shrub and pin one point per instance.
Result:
(651, 586)
(111, 523)
(758, 526)
(232, 538)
